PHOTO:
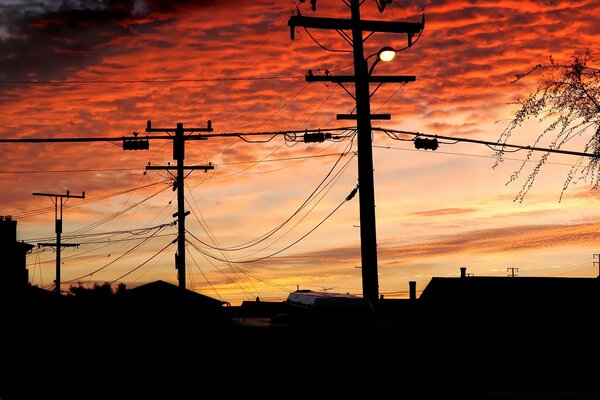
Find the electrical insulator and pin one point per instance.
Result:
(135, 144)
(316, 137)
(426, 144)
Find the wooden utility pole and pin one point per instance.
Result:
(361, 79)
(59, 201)
(179, 155)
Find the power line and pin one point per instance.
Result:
(270, 233)
(204, 225)
(468, 155)
(205, 277)
(282, 107)
(242, 270)
(144, 263)
(238, 65)
(348, 198)
(323, 191)
(63, 171)
(151, 81)
(132, 232)
(39, 211)
(280, 159)
(290, 135)
(496, 146)
(227, 277)
(146, 240)
(105, 243)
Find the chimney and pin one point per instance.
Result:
(412, 289)
(463, 272)
(8, 231)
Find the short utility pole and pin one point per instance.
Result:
(179, 155)
(59, 201)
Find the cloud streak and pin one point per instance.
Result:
(497, 240)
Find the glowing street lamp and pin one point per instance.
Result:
(384, 54)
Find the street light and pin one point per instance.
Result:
(362, 78)
(384, 54)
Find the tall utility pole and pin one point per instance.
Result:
(59, 201)
(361, 79)
(179, 155)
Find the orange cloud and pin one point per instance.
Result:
(207, 55)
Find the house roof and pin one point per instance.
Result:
(24, 247)
(164, 291)
(517, 289)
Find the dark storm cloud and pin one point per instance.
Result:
(45, 40)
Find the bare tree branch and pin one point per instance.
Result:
(567, 99)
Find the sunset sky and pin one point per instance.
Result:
(102, 68)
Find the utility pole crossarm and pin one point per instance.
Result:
(208, 128)
(62, 244)
(68, 195)
(162, 167)
(349, 78)
(365, 25)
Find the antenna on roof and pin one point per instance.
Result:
(512, 270)
(597, 263)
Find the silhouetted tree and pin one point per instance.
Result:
(121, 289)
(97, 291)
(567, 98)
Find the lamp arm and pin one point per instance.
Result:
(373, 66)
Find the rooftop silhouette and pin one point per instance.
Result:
(538, 328)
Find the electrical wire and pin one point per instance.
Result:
(144, 263)
(137, 246)
(205, 277)
(113, 241)
(282, 107)
(132, 232)
(389, 98)
(293, 164)
(316, 155)
(325, 47)
(205, 91)
(291, 244)
(151, 81)
(44, 210)
(65, 171)
(118, 213)
(227, 277)
(325, 190)
(271, 232)
(206, 228)
(466, 154)
(242, 270)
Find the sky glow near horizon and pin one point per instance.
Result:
(436, 211)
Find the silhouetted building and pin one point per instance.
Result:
(486, 301)
(162, 301)
(259, 308)
(13, 268)
(166, 293)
